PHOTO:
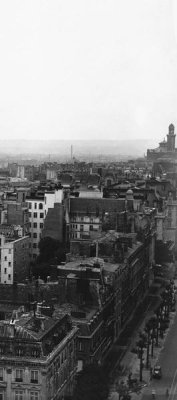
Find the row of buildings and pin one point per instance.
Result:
(51, 330)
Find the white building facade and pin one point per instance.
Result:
(38, 208)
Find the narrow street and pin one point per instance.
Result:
(168, 362)
(165, 354)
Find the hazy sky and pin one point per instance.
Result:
(87, 69)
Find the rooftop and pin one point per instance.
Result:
(28, 326)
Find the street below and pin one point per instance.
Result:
(166, 387)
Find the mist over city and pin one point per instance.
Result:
(88, 200)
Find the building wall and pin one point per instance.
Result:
(36, 223)
(14, 260)
(159, 227)
(21, 259)
(38, 209)
(170, 231)
(91, 194)
(53, 224)
(51, 174)
(7, 262)
(51, 198)
(17, 215)
(53, 377)
(82, 226)
(21, 171)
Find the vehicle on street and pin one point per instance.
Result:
(153, 394)
(157, 372)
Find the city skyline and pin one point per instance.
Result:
(88, 70)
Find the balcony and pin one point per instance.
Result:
(34, 381)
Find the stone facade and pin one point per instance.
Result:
(37, 357)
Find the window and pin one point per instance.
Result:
(34, 376)
(81, 228)
(35, 353)
(34, 256)
(19, 395)
(35, 205)
(9, 263)
(19, 375)
(35, 215)
(1, 395)
(80, 346)
(19, 351)
(5, 258)
(29, 205)
(40, 206)
(41, 215)
(34, 395)
(9, 277)
(34, 235)
(29, 214)
(91, 227)
(35, 225)
(41, 225)
(5, 270)
(34, 245)
(9, 251)
(1, 374)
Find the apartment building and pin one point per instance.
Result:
(87, 215)
(38, 206)
(14, 256)
(14, 209)
(92, 297)
(37, 357)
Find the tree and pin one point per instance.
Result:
(92, 383)
(162, 252)
(52, 252)
(49, 249)
(141, 344)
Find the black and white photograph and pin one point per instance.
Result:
(88, 199)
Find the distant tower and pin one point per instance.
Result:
(171, 138)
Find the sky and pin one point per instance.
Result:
(88, 69)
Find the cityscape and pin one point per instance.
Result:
(87, 274)
(88, 200)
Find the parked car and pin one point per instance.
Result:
(157, 372)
